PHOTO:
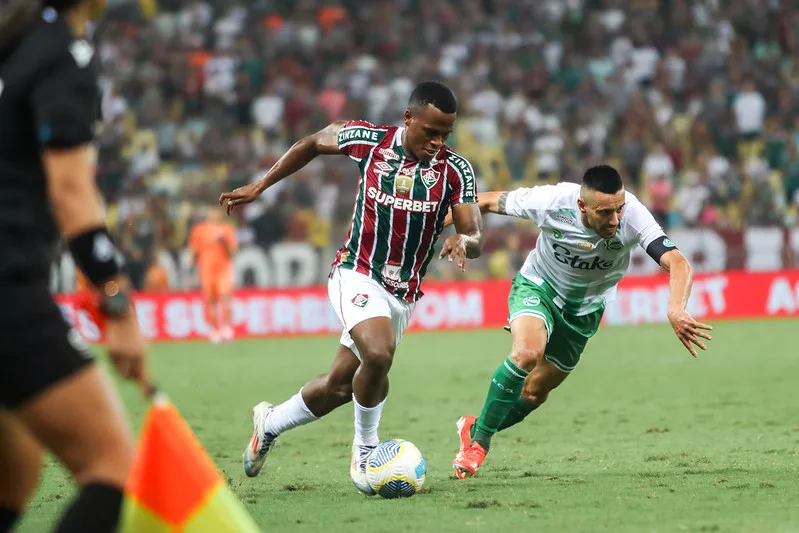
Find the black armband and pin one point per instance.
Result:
(658, 247)
(96, 255)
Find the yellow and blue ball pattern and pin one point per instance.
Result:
(396, 469)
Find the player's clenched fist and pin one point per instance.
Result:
(242, 195)
(455, 249)
(688, 329)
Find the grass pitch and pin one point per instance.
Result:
(642, 438)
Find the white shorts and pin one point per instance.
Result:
(357, 297)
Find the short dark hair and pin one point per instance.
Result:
(433, 93)
(603, 178)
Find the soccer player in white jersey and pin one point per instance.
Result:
(557, 299)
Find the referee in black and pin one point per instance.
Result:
(52, 395)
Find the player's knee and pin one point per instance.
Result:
(527, 358)
(379, 357)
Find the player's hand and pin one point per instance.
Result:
(242, 195)
(128, 350)
(455, 249)
(689, 330)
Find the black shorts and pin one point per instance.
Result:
(38, 348)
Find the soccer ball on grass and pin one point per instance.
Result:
(396, 469)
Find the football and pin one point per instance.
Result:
(396, 469)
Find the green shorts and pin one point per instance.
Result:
(567, 334)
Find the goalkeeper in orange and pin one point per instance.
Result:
(213, 244)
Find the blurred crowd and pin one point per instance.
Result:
(697, 102)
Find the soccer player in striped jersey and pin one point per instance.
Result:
(410, 179)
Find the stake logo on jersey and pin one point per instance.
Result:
(565, 256)
(580, 266)
(400, 206)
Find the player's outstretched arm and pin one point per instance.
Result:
(488, 202)
(688, 330)
(323, 142)
(467, 243)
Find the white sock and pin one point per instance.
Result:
(288, 415)
(367, 420)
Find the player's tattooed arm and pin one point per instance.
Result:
(493, 202)
(503, 199)
(489, 202)
(323, 142)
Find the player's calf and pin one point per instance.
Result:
(327, 392)
(542, 380)
(20, 463)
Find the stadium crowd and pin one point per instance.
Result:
(696, 101)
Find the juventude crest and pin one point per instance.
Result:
(429, 177)
(403, 183)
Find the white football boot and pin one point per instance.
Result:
(360, 455)
(261, 441)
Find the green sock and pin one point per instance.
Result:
(506, 385)
(521, 408)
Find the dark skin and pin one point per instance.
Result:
(426, 130)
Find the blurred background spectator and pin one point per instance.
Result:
(697, 102)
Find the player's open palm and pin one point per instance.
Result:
(689, 331)
(243, 195)
(127, 349)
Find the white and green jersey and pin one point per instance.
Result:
(580, 266)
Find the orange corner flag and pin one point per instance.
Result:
(174, 486)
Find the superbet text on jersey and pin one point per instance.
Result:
(400, 206)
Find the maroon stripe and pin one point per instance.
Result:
(369, 220)
(435, 194)
(399, 225)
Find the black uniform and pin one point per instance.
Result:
(48, 100)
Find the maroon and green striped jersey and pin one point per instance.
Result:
(400, 206)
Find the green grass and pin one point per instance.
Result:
(641, 437)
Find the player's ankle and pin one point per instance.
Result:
(482, 438)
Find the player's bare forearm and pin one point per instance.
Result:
(468, 223)
(688, 330)
(493, 202)
(680, 279)
(488, 202)
(301, 153)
